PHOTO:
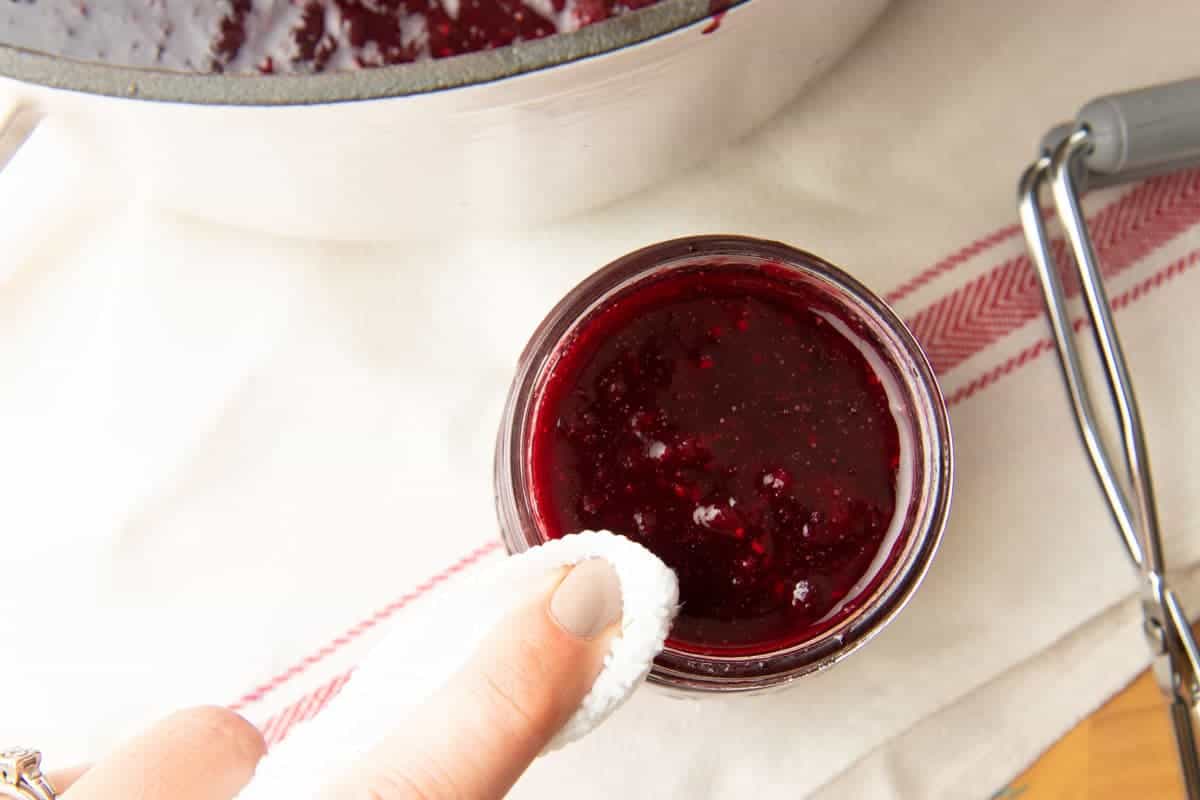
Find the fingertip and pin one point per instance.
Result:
(482, 729)
(223, 728)
(588, 600)
(537, 666)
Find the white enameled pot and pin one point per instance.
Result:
(501, 139)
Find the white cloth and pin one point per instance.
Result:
(228, 448)
(418, 654)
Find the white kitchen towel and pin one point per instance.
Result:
(420, 653)
(228, 448)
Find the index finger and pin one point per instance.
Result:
(476, 735)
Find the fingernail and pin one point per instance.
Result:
(588, 600)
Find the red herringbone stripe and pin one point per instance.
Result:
(335, 688)
(267, 729)
(281, 721)
(967, 320)
(352, 633)
(1041, 346)
(950, 262)
(304, 709)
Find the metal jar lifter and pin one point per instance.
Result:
(1116, 139)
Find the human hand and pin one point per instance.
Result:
(472, 739)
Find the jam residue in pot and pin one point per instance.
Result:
(728, 418)
(269, 36)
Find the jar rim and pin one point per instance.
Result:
(931, 494)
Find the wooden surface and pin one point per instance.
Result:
(1123, 751)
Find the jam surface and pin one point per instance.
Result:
(717, 416)
(268, 36)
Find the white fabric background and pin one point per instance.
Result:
(223, 448)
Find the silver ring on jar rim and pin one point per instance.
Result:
(925, 471)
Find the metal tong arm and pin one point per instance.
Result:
(1115, 139)
(1030, 209)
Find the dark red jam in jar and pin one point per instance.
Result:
(756, 419)
(723, 417)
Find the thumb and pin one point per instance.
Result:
(481, 730)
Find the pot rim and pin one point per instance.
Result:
(401, 80)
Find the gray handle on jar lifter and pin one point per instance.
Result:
(1144, 132)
